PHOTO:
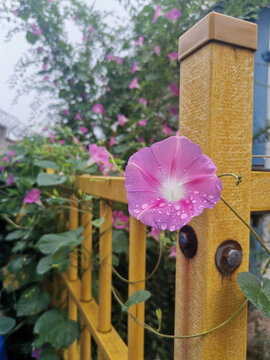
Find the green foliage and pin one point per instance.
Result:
(32, 302)
(6, 324)
(136, 298)
(44, 179)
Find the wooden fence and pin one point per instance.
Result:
(217, 60)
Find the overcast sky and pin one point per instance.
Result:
(12, 51)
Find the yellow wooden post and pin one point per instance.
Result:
(73, 275)
(105, 271)
(86, 281)
(137, 255)
(216, 96)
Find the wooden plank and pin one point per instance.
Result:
(72, 315)
(260, 191)
(216, 98)
(137, 258)
(106, 187)
(73, 224)
(112, 345)
(105, 269)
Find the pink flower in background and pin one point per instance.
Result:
(134, 67)
(98, 109)
(170, 182)
(61, 142)
(36, 353)
(83, 129)
(66, 112)
(119, 60)
(173, 55)
(15, 12)
(109, 57)
(32, 196)
(173, 251)
(139, 42)
(100, 155)
(142, 122)
(140, 139)
(10, 179)
(143, 101)
(38, 31)
(173, 14)
(77, 116)
(5, 159)
(44, 67)
(11, 153)
(84, 38)
(121, 120)
(92, 30)
(51, 1)
(151, 140)
(155, 233)
(173, 110)
(46, 78)
(112, 141)
(51, 137)
(167, 130)
(157, 13)
(157, 49)
(120, 220)
(174, 89)
(134, 84)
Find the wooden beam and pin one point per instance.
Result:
(260, 191)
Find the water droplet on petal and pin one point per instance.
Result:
(168, 213)
(194, 201)
(164, 226)
(178, 213)
(172, 228)
(162, 204)
(177, 207)
(136, 211)
(144, 206)
(204, 195)
(183, 216)
(196, 192)
(160, 212)
(211, 196)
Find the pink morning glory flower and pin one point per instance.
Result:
(139, 42)
(98, 109)
(112, 141)
(173, 110)
(173, 55)
(157, 13)
(10, 179)
(92, 30)
(84, 38)
(61, 142)
(5, 159)
(83, 129)
(109, 57)
(143, 101)
(44, 67)
(66, 112)
(38, 31)
(143, 122)
(77, 116)
(120, 220)
(11, 153)
(46, 78)
(121, 120)
(174, 89)
(140, 139)
(134, 67)
(157, 49)
(119, 60)
(134, 84)
(173, 14)
(167, 129)
(173, 251)
(100, 155)
(155, 233)
(32, 196)
(170, 182)
(51, 137)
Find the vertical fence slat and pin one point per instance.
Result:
(105, 272)
(72, 315)
(216, 96)
(137, 256)
(85, 342)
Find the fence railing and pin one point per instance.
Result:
(216, 83)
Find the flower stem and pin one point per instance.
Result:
(238, 178)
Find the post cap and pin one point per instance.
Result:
(218, 27)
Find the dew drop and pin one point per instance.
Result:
(177, 207)
(194, 201)
(168, 213)
(136, 211)
(160, 212)
(204, 195)
(196, 192)
(178, 213)
(211, 196)
(164, 226)
(183, 216)
(172, 228)
(162, 204)
(144, 206)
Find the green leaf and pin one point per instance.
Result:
(77, 164)
(98, 222)
(32, 302)
(44, 179)
(6, 324)
(15, 235)
(50, 243)
(258, 295)
(120, 242)
(44, 264)
(47, 164)
(136, 298)
(31, 37)
(54, 329)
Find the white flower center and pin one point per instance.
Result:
(172, 190)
